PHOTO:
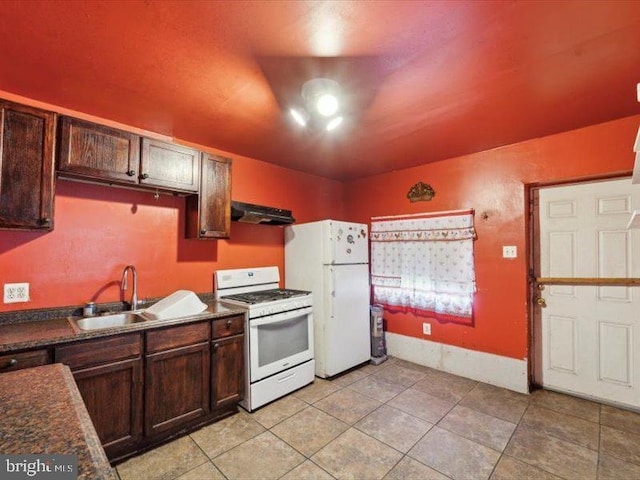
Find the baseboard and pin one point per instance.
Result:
(505, 372)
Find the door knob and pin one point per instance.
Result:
(541, 301)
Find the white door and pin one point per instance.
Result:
(347, 341)
(590, 335)
(345, 243)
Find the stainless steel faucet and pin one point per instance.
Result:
(134, 295)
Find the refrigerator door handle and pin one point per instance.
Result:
(333, 291)
(333, 282)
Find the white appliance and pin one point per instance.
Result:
(279, 332)
(330, 258)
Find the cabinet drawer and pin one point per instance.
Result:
(225, 327)
(17, 361)
(167, 338)
(96, 352)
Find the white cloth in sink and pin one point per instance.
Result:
(181, 303)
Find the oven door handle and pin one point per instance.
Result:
(280, 317)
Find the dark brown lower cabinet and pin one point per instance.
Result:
(227, 373)
(176, 387)
(113, 396)
(141, 389)
(109, 375)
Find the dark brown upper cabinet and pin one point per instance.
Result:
(108, 155)
(169, 166)
(209, 214)
(27, 144)
(88, 150)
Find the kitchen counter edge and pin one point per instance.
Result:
(46, 333)
(56, 423)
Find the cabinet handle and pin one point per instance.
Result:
(203, 232)
(144, 176)
(215, 346)
(11, 363)
(228, 323)
(131, 173)
(45, 221)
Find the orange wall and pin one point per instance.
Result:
(494, 182)
(99, 229)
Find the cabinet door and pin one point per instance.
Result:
(227, 374)
(27, 139)
(177, 387)
(101, 153)
(113, 396)
(169, 166)
(209, 214)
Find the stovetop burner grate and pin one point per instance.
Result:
(264, 296)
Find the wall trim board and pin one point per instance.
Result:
(505, 372)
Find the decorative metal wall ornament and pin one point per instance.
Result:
(421, 192)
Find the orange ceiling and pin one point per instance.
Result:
(424, 80)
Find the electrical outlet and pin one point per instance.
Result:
(16, 292)
(509, 251)
(426, 328)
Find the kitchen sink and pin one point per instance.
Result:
(107, 321)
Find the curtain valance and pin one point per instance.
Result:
(424, 264)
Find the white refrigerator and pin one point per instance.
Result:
(331, 259)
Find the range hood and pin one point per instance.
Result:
(250, 213)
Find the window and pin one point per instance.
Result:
(424, 264)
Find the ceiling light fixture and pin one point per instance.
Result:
(321, 97)
(327, 104)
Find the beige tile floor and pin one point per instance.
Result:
(404, 421)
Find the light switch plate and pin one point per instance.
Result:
(426, 328)
(16, 292)
(509, 251)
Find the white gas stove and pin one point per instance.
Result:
(279, 340)
(269, 302)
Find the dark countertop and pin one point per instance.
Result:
(42, 412)
(23, 335)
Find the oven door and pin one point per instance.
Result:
(281, 341)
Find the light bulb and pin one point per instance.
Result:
(298, 117)
(327, 104)
(334, 123)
